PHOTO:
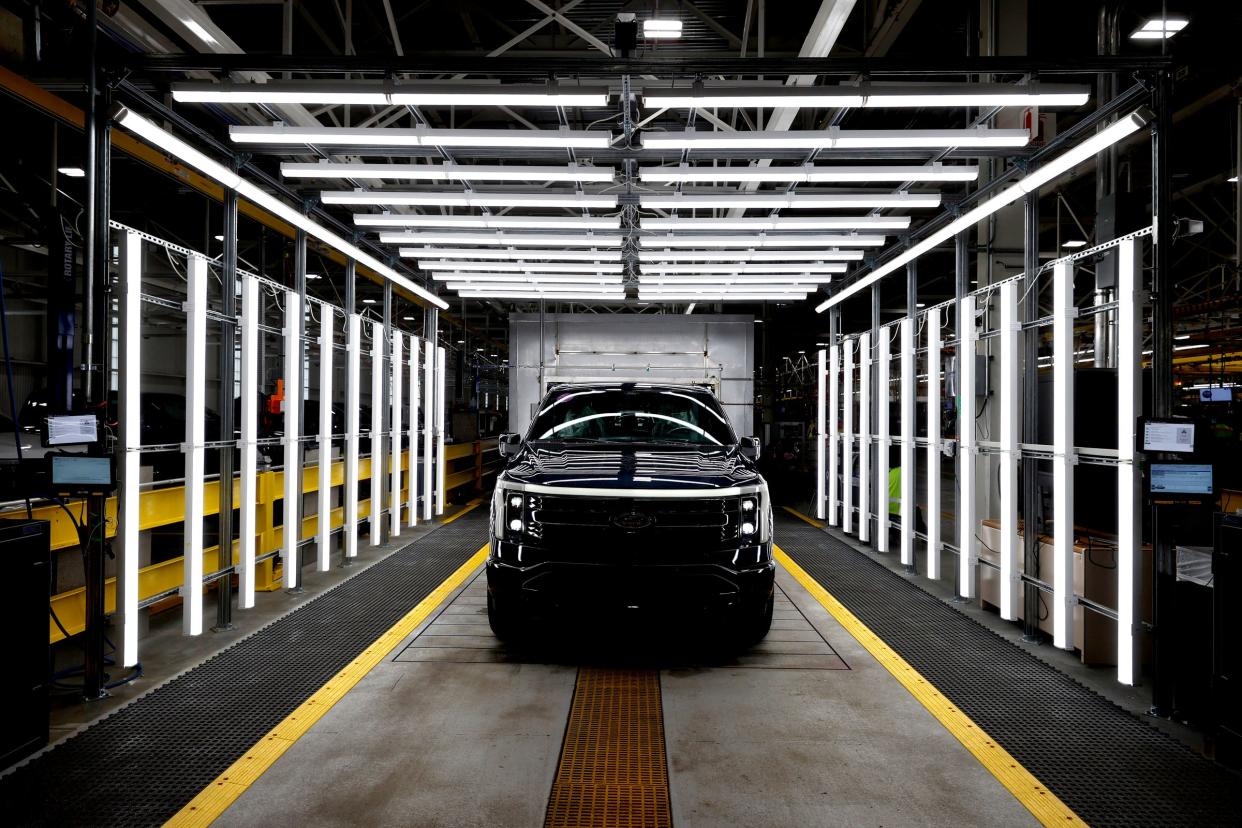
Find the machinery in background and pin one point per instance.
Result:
(26, 547)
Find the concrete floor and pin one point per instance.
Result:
(805, 729)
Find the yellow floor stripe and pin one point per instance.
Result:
(228, 786)
(1042, 803)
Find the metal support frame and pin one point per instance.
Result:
(1009, 379)
(966, 518)
(847, 451)
(932, 322)
(224, 404)
(195, 423)
(1063, 313)
(865, 485)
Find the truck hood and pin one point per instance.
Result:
(647, 467)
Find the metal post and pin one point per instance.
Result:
(1030, 415)
(294, 360)
(1163, 584)
(224, 404)
(379, 478)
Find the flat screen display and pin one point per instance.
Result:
(1181, 478)
(82, 471)
(1166, 436)
(1215, 394)
(72, 430)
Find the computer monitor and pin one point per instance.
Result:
(80, 473)
(1169, 436)
(1181, 479)
(71, 430)
(1215, 394)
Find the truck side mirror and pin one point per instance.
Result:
(510, 444)
(749, 447)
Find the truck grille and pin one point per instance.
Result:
(691, 524)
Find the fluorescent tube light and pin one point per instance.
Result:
(422, 137)
(195, 436)
(762, 241)
(534, 294)
(447, 172)
(1072, 243)
(655, 28)
(430, 394)
(1159, 29)
(792, 281)
(353, 404)
(536, 287)
(805, 267)
(1065, 161)
(722, 297)
(412, 499)
(533, 277)
(572, 201)
(780, 223)
(385, 93)
(867, 96)
(182, 151)
(505, 239)
(199, 31)
(790, 201)
(522, 267)
(129, 438)
(71, 172)
(249, 432)
(510, 255)
(323, 561)
(294, 360)
(749, 255)
(1191, 347)
(492, 222)
(835, 138)
(808, 174)
(397, 374)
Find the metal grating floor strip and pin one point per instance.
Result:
(1112, 768)
(139, 765)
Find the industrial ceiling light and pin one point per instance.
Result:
(71, 172)
(422, 137)
(794, 280)
(573, 201)
(749, 255)
(492, 222)
(790, 201)
(1159, 28)
(506, 239)
(1072, 243)
(535, 275)
(1065, 161)
(520, 267)
(656, 28)
(756, 296)
(800, 267)
(447, 172)
(780, 223)
(183, 152)
(509, 255)
(558, 287)
(389, 93)
(614, 296)
(808, 173)
(763, 241)
(836, 138)
(867, 96)
(199, 31)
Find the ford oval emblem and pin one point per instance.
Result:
(632, 521)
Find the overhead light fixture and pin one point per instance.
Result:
(1232, 180)
(407, 319)
(721, 297)
(312, 276)
(538, 294)
(71, 172)
(447, 172)
(510, 255)
(422, 137)
(532, 276)
(1191, 347)
(387, 93)
(656, 28)
(805, 267)
(499, 238)
(183, 152)
(368, 301)
(780, 223)
(867, 96)
(808, 174)
(573, 201)
(492, 222)
(762, 241)
(790, 201)
(1159, 28)
(749, 255)
(521, 267)
(792, 280)
(218, 237)
(1065, 161)
(544, 287)
(1072, 243)
(199, 31)
(835, 138)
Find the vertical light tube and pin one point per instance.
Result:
(129, 442)
(1129, 529)
(1063, 455)
(1009, 418)
(195, 417)
(291, 530)
(398, 397)
(864, 437)
(884, 356)
(821, 439)
(966, 559)
(325, 437)
(377, 432)
(834, 434)
(441, 408)
(412, 474)
(249, 446)
(847, 436)
(932, 321)
(429, 423)
(353, 404)
(908, 505)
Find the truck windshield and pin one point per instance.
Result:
(632, 415)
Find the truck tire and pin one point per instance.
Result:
(754, 624)
(506, 621)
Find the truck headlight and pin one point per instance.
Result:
(748, 528)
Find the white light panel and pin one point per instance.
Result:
(809, 174)
(866, 96)
(821, 439)
(421, 137)
(573, 201)
(1063, 313)
(293, 359)
(744, 256)
(324, 562)
(967, 529)
(834, 436)
(1129, 521)
(864, 437)
(1009, 417)
(932, 322)
(884, 355)
(533, 278)
(129, 439)
(375, 523)
(397, 365)
(908, 471)
(767, 269)
(429, 419)
(389, 93)
(761, 241)
(507, 239)
(195, 426)
(832, 138)
(492, 222)
(790, 201)
(441, 407)
(447, 172)
(353, 405)
(442, 253)
(412, 434)
(248, 444)
(695, 225)
(520, 267)
(847, 440)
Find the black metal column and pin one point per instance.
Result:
(224, 397)
(1163, 583)
(1030, 413)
